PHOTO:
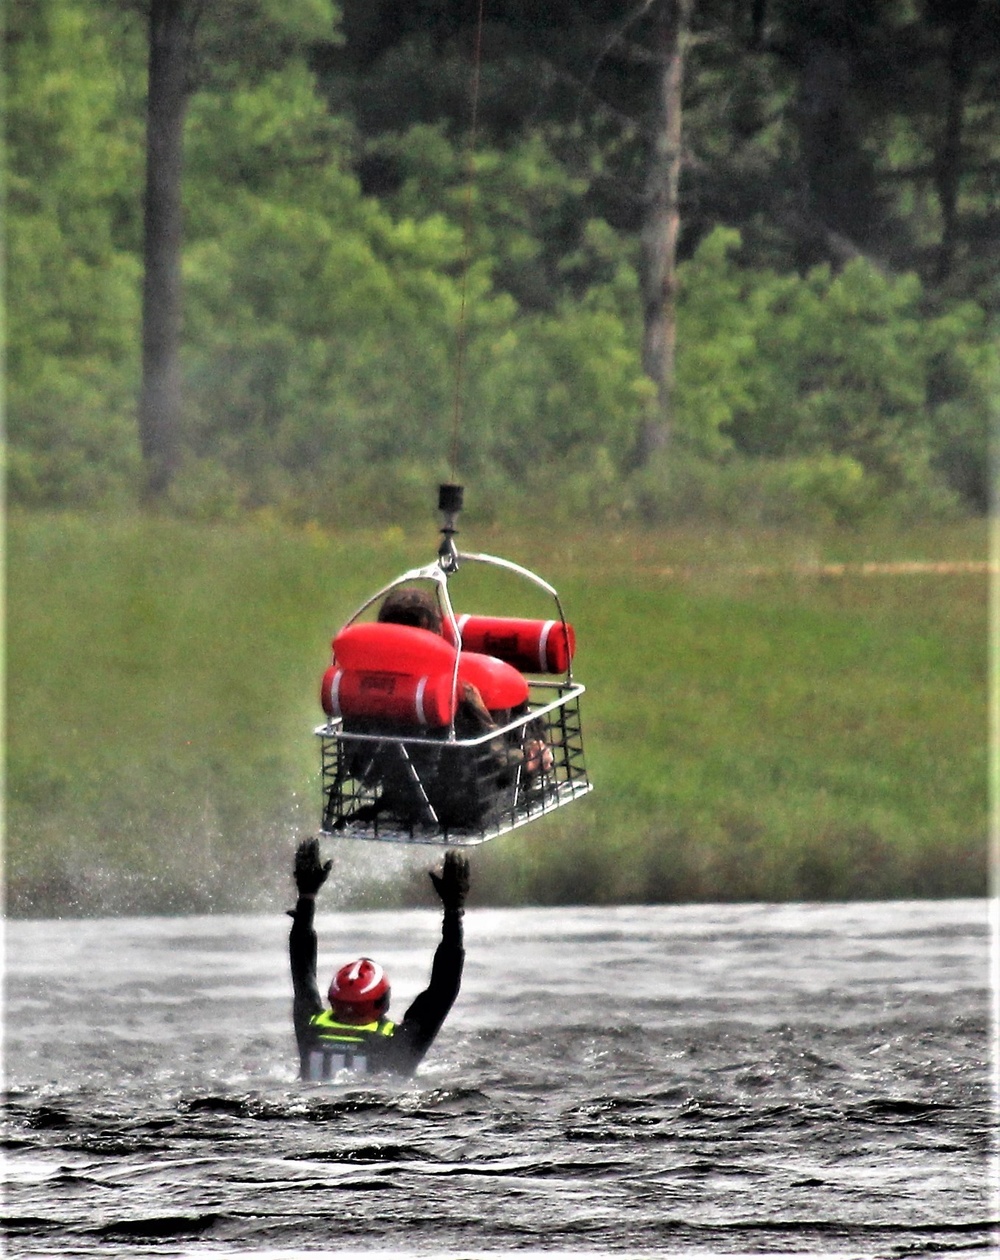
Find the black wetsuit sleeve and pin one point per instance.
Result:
(428, 1010)
(306, 1001)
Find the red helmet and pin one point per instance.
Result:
(359, 992)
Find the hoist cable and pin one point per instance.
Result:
(470, 173)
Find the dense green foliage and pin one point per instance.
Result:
(74, 133)
(326, 189)
(755, 729)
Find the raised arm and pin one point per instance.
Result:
(427, 1012)
(310, 875)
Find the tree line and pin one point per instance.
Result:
(697, 255)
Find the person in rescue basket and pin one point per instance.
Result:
(411, 606)
(355, 1032)
(458, 784)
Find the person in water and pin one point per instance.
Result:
(355, 1032)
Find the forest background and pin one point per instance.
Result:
(835, 393)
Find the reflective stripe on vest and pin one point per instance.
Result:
(342, 1046)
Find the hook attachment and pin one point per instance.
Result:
(450, 503)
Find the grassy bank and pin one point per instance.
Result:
(758, 726)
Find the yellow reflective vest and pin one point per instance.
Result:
(337, 1046)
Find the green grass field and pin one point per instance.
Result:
(757, 727)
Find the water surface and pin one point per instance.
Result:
(642, 1080)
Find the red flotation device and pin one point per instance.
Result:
(500, 684)
(404, 674)
(382, 645)
(427, 700)
(545, 647)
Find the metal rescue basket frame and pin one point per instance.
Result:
(413, 784)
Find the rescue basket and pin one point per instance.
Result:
(399, 761)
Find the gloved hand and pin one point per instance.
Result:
(310, 872)
(452, 885)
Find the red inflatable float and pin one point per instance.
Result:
(401, 649)
(427, 700)
(499, 684)
(545, 647)
(404, 674)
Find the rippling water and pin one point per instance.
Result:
(700, 1079)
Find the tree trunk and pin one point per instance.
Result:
(160, 398)
(662, 226)
(948, 168)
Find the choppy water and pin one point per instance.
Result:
(699, 1079)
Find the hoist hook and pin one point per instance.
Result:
(450, 503)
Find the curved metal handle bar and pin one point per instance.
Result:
(435, 573)
(429, 572)
(514, 568)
